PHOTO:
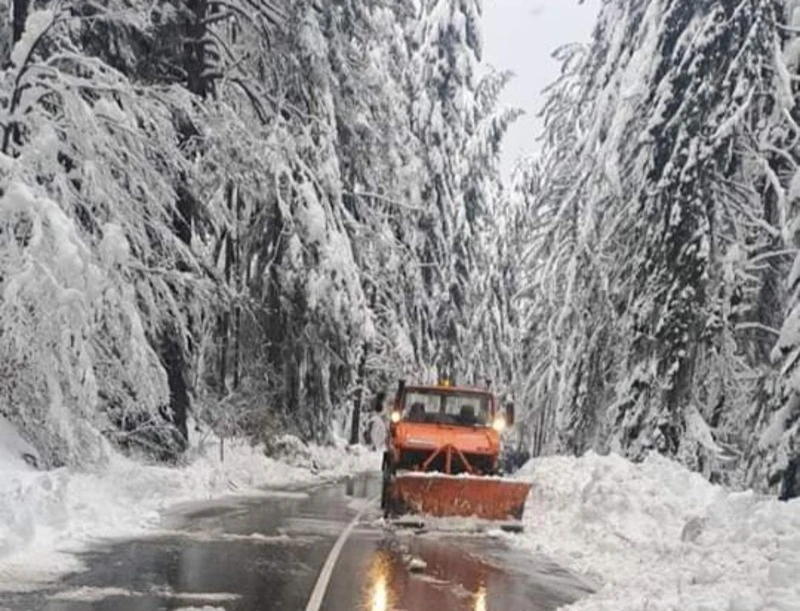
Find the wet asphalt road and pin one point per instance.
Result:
(265, 554)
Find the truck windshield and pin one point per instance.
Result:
(447, 408)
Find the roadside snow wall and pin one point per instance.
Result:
(660, 537)
(47, 515)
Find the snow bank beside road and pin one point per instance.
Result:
(46, 514)
(662, 538)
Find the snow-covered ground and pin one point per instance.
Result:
(656, 536)
(45, 515)
(659, 537)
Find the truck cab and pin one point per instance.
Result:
(446, 429)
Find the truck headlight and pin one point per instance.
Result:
(395, 417)
(499, 424)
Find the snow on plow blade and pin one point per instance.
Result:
(446, 495)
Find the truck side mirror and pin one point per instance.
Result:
(510, 414)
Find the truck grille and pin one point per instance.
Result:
(413, 460)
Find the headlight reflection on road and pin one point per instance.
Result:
(379, 574)
(380, 595)
(480, 599)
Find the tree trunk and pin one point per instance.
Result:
(355, 429)
(361, 380)
(237, 323)
(194, 49)
(11, 132)
(225, 320)
(174, 363)
(194, 61)
(20, 14)
(237, 310)
(224, 324)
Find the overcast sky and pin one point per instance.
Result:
(520, 35)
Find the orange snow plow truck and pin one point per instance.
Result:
(442, 455)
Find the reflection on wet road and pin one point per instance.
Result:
(264, 554)
(461, 574)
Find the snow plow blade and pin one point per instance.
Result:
(457, 496)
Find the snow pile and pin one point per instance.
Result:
(661, 537)
(88, 594)
(331, 460)
(44, 515)
(14, 448)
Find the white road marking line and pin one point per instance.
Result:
(318, 594)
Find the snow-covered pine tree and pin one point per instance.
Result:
(776, 413)
(308, 314)
(714, 61)
(378, 157)
(565, 287)
(6, 36)
(654, 263)
(80, 174)
(446, 48)
(489, 349)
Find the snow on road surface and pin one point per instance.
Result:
(660, 537)
(45, 516)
